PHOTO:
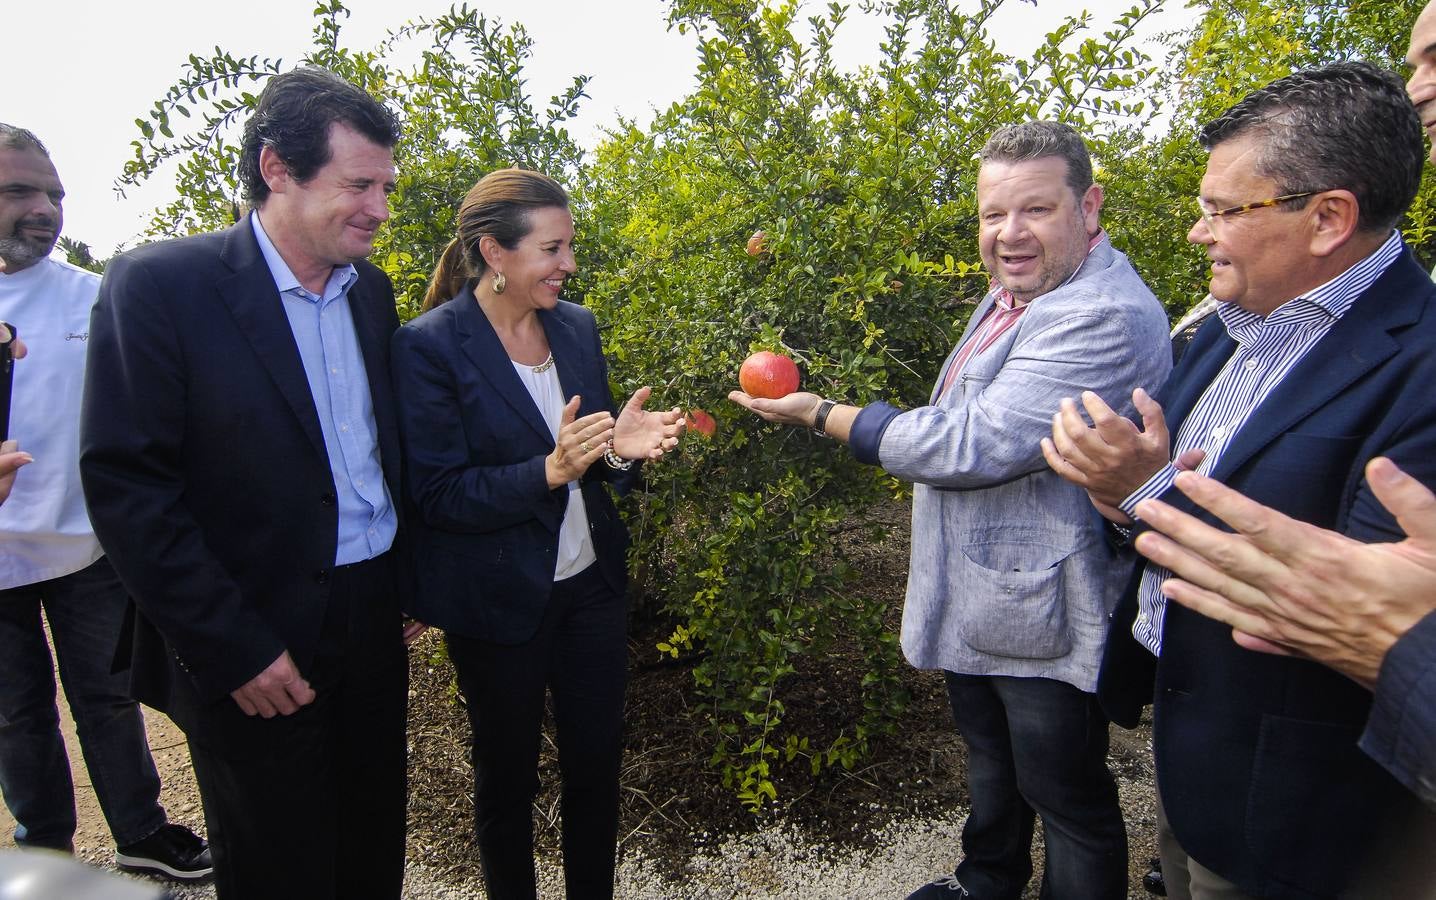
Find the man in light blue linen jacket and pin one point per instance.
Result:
(1011, 581)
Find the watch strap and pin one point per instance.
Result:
(820, 419)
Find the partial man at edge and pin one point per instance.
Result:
(52, 564)
(1366, 610)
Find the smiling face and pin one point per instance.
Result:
(329, 220)
(30, 207)
(1421, 57)
(1257, 255)
(1034, 230)
(535, 269)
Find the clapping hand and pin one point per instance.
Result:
(581, 443)
(1290, 587)
(644, 434)
(1111, 458)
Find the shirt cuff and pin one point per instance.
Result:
(1155, 486)
(867, 431)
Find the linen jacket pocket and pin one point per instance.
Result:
(1020, 573)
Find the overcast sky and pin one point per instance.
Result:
(79, 72)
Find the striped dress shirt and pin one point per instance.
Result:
(1268, 348)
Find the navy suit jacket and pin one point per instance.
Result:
(204, 464)
(485, 522)
(1257, 757)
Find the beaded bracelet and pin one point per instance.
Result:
(614, 461)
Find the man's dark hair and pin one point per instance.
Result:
(293, 118)
(1348, 125)
(13, 137)
(1039, 140)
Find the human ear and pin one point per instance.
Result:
(1334, 216)
(274, 170)
(492, 252)
(1091, 207)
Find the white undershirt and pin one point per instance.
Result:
(575, 545)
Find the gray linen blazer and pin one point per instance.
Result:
(1010, 574)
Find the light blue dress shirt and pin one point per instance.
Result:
(323, 328)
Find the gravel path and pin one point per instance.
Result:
(774, 864)
(767, 865)
(770, 864)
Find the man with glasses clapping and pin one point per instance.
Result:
(1320, 357)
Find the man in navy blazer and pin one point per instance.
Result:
(1321, 357)
(1366, 610)
(240, 460)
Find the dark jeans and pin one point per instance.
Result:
(85, 609)
(580, 655)
(311, 806)
(1036, 746)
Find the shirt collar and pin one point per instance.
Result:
(341, 278)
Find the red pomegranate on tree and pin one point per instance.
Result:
(700, 421)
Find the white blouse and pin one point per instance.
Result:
(575, 544)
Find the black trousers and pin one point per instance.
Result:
(311, 806)
(580, 655)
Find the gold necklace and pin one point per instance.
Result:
(543, 366)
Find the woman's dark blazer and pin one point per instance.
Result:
(485, 523)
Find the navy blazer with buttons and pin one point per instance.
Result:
(1257, 757)
(204, 464)
(486, 524)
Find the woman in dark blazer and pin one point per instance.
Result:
(509, 434)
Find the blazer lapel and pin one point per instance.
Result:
(254, 302)
(373, 326)
(482, 346)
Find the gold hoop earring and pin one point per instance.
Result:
(500, 282)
